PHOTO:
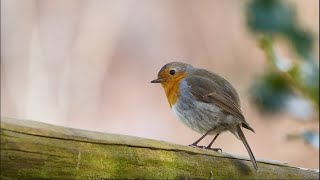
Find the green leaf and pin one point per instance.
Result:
(309, 79)
(302, 42)
(270, 16)
(311, 138)
(270, 92)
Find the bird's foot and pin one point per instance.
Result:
(214, 149)
(206, 148)
(196, 146)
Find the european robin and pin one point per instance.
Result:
(204, 101)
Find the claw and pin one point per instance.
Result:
(214, 149)
(191, 145)
(196, 146)
(206, 148)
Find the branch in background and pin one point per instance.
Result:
(310, 137)
(289, 75)
(283, 80)
(285, 85)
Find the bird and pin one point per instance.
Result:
(205, 102)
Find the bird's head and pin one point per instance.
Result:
(172, 72)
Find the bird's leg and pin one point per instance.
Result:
(209, 145)
(195, 144)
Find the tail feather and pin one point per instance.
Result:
(244, 140)
(247, 127)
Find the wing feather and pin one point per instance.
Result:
(207, 91)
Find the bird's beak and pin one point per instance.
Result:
(159, 80)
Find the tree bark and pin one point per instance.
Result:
(34, 150)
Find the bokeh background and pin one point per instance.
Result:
(88, 65)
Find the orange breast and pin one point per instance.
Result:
(172, 89)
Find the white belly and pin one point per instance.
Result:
(201, 119)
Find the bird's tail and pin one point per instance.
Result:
(244, 141)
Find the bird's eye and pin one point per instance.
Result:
(172, 72)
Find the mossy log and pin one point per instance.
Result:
(34, 150)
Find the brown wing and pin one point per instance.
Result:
(206, 90)
(227, 87)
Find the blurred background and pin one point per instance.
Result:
(88, 65)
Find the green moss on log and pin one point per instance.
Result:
(32, 149)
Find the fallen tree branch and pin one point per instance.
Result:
(31, 149)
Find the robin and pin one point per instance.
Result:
(204, 101)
